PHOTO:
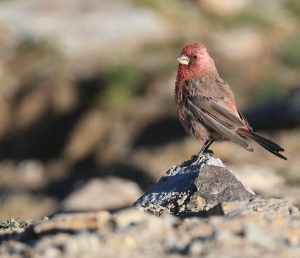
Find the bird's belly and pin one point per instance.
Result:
(193, 125)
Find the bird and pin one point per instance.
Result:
(206, 107)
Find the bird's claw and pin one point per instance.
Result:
(210, 152)
(197, 158)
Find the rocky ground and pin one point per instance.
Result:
(88, 122)
(203, 210)
(133, 233)
(86, 100)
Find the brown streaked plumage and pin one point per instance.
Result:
(205, 104)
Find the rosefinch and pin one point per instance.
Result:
(205, 104)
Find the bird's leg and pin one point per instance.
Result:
(205, 146)
(203, 150)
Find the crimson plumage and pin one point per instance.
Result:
(205, 104)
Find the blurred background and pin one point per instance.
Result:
(87, 115)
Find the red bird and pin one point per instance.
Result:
(206, 107)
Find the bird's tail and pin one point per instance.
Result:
(267, 144)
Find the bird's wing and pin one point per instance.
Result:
(216, 114)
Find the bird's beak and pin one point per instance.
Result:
(183, 59)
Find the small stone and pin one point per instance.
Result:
(29, 205)
(224, 235)
(52, 252)
(127, 217)
(293, 236)
(76, 221)
(196, 248)
(229, 207)
(257, 236)
(196, 203)
(107, 193)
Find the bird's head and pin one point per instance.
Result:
(194, 60)
(193, 55)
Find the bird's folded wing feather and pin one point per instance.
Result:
(216, 116)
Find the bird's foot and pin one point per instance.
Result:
(202, 152)
(197, 158)
(210, 152)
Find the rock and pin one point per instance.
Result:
(188, 188)
(209, 188)
(101, 194)
(78, 221)
(28, 174)
(268, 207)
(125, 218)
(216, 185)
(255, 235)
(196, 248)
(31, 206)
(134, 233)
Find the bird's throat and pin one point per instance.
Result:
(188, 71)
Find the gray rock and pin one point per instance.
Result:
(255, 235)
(216, 185)
(269, 207)
(191, 187)
(97, 194)
(133, 233)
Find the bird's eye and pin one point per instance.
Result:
(194, 57)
